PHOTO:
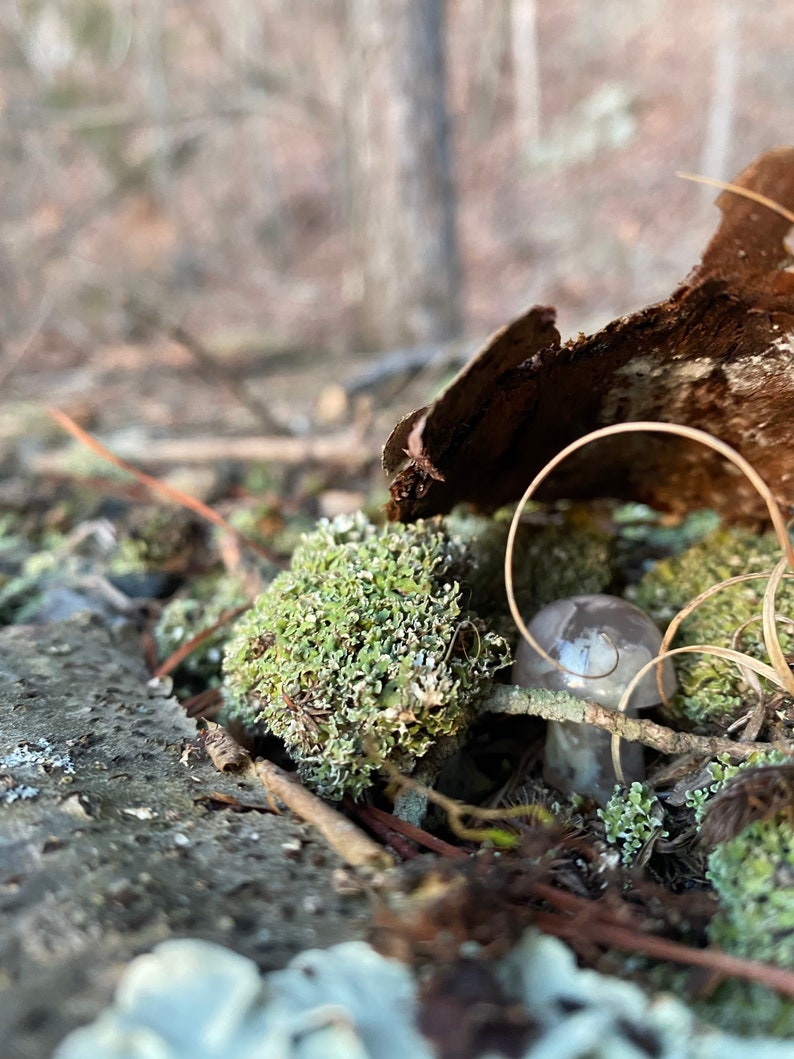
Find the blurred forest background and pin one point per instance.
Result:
(205, 166)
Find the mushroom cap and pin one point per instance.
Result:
(602, 641)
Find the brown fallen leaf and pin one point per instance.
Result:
(718, 354)
(226, 753)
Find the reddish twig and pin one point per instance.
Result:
(589, 921)
(370, 818)
(416, 834)
(190, 645)
(168, 491)
(206, 704)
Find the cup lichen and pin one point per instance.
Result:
(712, 691)
(361, 651)
(632, 818)
(753, 877)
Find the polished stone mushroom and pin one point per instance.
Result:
(602, 642)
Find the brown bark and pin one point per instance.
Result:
(402, 214)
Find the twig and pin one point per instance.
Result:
(349, 841)
(456, 811)
(12, 357)
(229, 379)
(409, 361)
(206, 704)
(616, 935)
(182, 652)
(371, 819)
(348, 448)
(416, 834)
(168, 491)
(559, 706)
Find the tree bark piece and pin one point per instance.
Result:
(718, 355)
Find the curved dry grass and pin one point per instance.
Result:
(778, 671)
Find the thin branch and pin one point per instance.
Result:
(230, 380)
(348, 449)
(634, 939)
(366, 815)
(418, 834)
(187, 648)
(559, 706)
(176, 496)
(349, 841)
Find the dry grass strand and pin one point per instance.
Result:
(779, 672)
(745, 193)
(651, 426)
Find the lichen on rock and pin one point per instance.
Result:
(363, 650)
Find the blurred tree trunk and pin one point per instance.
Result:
(526, 74)
(402, 207)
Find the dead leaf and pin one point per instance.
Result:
(718, 354)
(226, 753)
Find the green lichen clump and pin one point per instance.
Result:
(362, 651)
(712, 691)
(720, 770)
(183, 618)
(568, 557)
(632, 818)
(753, 877)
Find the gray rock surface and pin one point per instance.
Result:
(108, 845)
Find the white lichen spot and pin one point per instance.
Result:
(35, 754)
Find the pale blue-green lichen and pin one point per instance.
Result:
(753, 877)
(644, 533)
(632, 818)
(712, 691)
(720, 770)
(190, 998)
(362, 651)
